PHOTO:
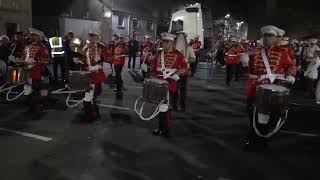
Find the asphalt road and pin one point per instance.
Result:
(207, 142)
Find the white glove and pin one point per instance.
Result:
(163, 108)
(175, 77)
(94, 68)
(298, 68)
(76, 60)
(291, 79)
(27, 90)
(30, 60)
(11, 58)
(88, 97)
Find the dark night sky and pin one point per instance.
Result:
(288, 14)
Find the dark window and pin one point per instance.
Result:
(120, 21)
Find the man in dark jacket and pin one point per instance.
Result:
(133, 47)
(5, 50)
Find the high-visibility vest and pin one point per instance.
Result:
(56, 47)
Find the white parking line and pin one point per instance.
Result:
(108, 106)
(34, 136)
(300, 134)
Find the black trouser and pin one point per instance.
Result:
(233, 70)
(193, 66)
(132, 56)
(146, 74)
(309, 85)
(33, 100)
(181, 94)
(118, 70)
(59, 61)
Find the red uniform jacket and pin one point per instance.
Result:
(234, 54)
(119, 53)
(196, 46)
(97, 54)
(280, 63)
(290, 52)
(172, 60)
(146, 50)
(40, 54)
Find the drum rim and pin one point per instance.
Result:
(83, 72)
(285, 89)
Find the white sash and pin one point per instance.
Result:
(267, 65)
(167, 73)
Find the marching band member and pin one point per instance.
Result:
(36, 54)
(146, 54)
(189, 55)
(283, 43)
(5, 50)
(168, 64)
(266, 65)
(233, 55)
(17, 46)
(196, 46)
(94, 54)
(119, 56)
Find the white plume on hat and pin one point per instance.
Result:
(233, 39)
(168, 36)
(94, 32)
(36, 32)
(120, 35)
(313, 41)
(2, 37)
(270, 29)
(281, 32)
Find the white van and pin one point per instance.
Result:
(190, 21)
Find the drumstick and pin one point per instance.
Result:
(13, 50)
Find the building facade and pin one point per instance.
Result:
(15, 15)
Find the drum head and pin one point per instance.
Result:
(3, 67)
(79, 72)
(274, 87)
(156, 81)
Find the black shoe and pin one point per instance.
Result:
(228, 83)
(157, 132)
(236, 80)
(166, 134)
(175, 108)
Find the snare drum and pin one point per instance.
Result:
(155, 90)
(79, 80)
(18, 74)
(271, 98)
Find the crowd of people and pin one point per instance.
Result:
(38, 52)
(233, 54)
(272, 60)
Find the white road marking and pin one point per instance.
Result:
(34, 136)
(108, 106)
(300, 134)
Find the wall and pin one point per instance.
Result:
(15, 11)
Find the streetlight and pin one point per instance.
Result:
(227, 16)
